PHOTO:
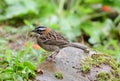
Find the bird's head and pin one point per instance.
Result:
(41, 30)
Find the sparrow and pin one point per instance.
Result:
(53, 41)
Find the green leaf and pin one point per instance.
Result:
(18, 8)
(8, 55)
(69, 27)
(93, 1)
(28, 48)
(18, 66)
(97, 30)
(8, 69)
(42, 59)
(30, 65)
(10, 2)
(17, 77)
(5, 76)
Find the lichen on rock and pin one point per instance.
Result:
(103, 76)
(58, 75)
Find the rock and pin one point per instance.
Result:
(72, 64)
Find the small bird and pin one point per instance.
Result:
(53, 41)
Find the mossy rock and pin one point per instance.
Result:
(97, 61)
(75, 65)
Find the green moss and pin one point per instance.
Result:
(103, 76)
(95, 61)
(115, 79)
(85, 68)
(101, 59)
(98, 59)
(112, 63)
(116, 73)
(58, 75)
(105, 59)
(113, 66)
(95, 56)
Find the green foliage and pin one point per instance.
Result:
(72, 18)
(18, 8)
(97, 30)
(113, 47)
(20, 65)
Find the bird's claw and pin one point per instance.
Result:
(50, 59)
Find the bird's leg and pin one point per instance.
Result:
(51, 57)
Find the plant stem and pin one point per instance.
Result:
(61, 5)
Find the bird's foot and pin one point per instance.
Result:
(50, 59)
(52, 56)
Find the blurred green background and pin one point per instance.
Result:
(95, 23)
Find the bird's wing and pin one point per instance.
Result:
(54, 38)
(55, 42)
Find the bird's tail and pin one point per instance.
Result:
(80, 46)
